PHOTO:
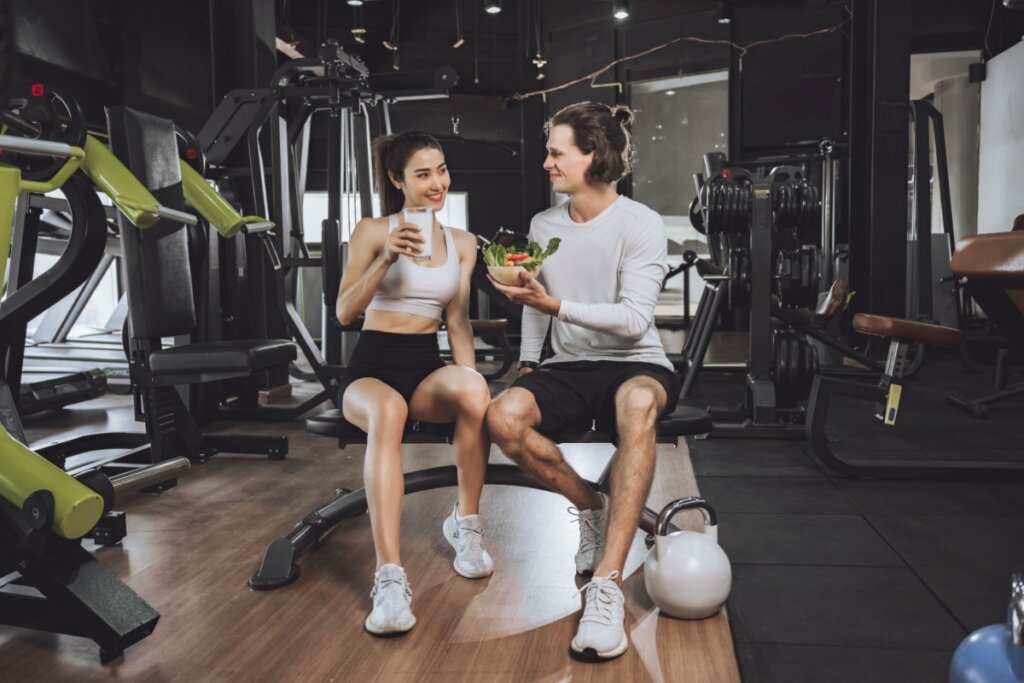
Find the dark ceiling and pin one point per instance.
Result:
(497, 47)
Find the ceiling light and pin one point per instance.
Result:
(492, 6)
(620, 9)
(355, 3)
(723, 15)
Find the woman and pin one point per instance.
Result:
(396, 373)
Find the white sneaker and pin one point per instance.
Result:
(465, 534)
(593, 527)
(392, 602)
(602, 634)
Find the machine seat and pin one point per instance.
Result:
(684, 421)
(243, 355)
(907, 330)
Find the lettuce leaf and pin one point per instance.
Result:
(552, 248)
(495, 254)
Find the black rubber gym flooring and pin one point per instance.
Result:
(846, 580)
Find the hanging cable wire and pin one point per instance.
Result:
(494, 54)
(392, 40)
(538, 59)
(529, 22)
(358, 30)
(988, 28)
(476, 47)
(459, 39)
(742, 49)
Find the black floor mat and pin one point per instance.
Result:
(957, 499)
(752, 462)
(796, 495)
(977, 596)
(779, 663)
(884, 607)
(846, 580)
(938, 541)
(839, 540)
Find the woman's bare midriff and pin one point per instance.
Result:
(399, 323)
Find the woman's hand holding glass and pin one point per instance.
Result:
(405, 240)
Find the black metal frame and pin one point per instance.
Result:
(77, 595)
(171, 430)
(30, 296)
(822, 391)
(76, 264)
(698, 338)
(992, 295)
(278, 567)
(919, 272)
(244, 114)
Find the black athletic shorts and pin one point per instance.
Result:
(573, 396)
(401, 361)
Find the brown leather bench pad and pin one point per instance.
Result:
(907, 330)
(990, 256)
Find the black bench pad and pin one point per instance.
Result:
(222, 356)
(685, 421)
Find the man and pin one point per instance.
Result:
(597, 293)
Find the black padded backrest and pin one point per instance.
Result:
(155, 261)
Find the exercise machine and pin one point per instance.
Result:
(48, 581)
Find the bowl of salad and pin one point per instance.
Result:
(504, 264)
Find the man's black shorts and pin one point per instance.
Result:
(573, 396)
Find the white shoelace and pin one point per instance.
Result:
(601, 596)
(589, 533)
(379, 583)
(469, 537)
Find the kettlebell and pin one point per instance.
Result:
(687, 573)
(994, 654)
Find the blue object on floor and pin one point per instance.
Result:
(994, 654)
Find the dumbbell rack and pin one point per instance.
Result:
(760, 416)
(748, 279)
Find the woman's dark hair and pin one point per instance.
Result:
(603, 130)
(390, 155)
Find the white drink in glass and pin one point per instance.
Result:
(423, 218)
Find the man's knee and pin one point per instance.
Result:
(638, 403)
(510, 415)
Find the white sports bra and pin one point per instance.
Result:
(411, 288)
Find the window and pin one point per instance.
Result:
(678, 121)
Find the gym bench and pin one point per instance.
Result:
(887, 392)
(278, 567)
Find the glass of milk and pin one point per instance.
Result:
(423, 218)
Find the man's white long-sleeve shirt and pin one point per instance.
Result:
(608, 273)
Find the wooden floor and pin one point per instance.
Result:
(190, 551)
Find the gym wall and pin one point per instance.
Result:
(1000, 198)
(172, 58)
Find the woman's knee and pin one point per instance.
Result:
(473, 396)
(388, 413)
